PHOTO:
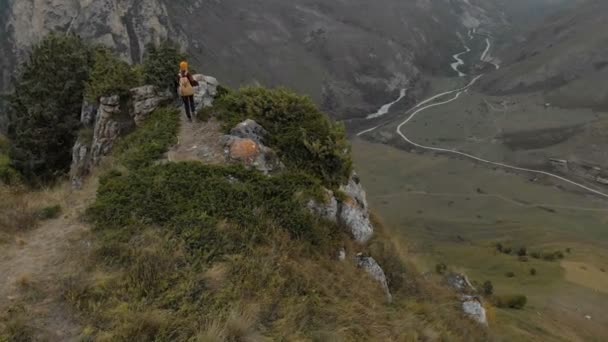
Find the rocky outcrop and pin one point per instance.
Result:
(354, 212)
(473, 307)
(329, 209)
(244, 146)
(107, 128)
(206, 92)
(145, 100)
(460, 283)
(350, 210)
(249, 129)
(108, 121)
(371, 266)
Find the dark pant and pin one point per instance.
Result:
(190, 107)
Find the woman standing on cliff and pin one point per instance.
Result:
(186, 89)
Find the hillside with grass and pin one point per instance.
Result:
(273, 242)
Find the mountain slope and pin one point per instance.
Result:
(566, 57)
(349, 56)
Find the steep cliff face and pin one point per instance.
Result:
(125, 26)
(350, 56)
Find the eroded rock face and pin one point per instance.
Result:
(145, 100)
(108, 121)
(107, 128)
(352, 211)
(473, 307)
(371, 266)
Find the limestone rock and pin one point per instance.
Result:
(206, 91)
(460, 283)
(145, 100)
(249, 129)
(371, 266)
(107, 128)
(251, 154)
(473, 307)
(329, 209)
(352, 212)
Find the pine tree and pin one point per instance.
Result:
(44, 107)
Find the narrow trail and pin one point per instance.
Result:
(198, 141)
(39, 258)
(418, 109)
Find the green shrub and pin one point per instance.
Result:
(161, 64)
(488, 288)
(499, 247)
(304, 138)
(510, 274)
(44, 107)
(552, 256)
(49, 213)
(149, 142)
(110, 76)
(507, 250)
(535, 255)
(522, 252)
(191, 198)
(533, 271)
(510, 301)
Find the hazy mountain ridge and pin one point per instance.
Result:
(566, 57)
(350, 56)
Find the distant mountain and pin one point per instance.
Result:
(566, 57)
(350, 56)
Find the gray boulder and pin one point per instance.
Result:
(473, 308)
(249, 129)
(251, 154)
(206, 91)
(371, 266)
(460, 283)
(328, 209)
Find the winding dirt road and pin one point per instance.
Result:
(421, 107)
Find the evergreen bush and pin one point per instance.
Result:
(44, 107)
(160, 64)
(110, 76)
(304, 138)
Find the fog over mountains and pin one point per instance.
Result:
(350, 56)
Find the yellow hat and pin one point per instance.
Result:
(183, 66)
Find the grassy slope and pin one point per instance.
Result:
(185, 251)
(458, 226)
